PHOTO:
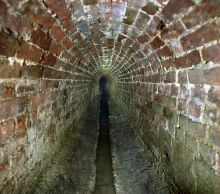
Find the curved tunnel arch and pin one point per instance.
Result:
(161, 55)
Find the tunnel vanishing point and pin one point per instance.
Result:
(161, 62)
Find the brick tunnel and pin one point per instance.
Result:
(158, 130)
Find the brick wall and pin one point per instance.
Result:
(163, 56)
(43, 89)
(172, 87)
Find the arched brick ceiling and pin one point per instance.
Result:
(129, 37)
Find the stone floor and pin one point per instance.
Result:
(117, 167)
(73, 171)
(132, 173)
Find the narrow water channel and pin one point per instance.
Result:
(104, 170)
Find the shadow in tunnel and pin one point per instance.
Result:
(104, 107)
(104, 175)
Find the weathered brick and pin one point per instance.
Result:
(164, 52)
(48, 60)
(167, 63)
(214, 95)
(21, 126)
(212, 53)
(9, 71)
(170, 77)
(172, 31)
(215, 136)
(175, 90)
(130, 15)
(12, 107)
(38, 15)
(202, 12)
(29, 52)
(57, 33)
(150, 8)
(41, 39)
(156, 43)
(197, 94)
(7, 89)
(156, 24)
(205, 34)
(55, 48)
(194, 109)
(192, 127)
(67, 43)
(143, 38)
(32, 71)
(7, 129)
(141, 21)
(196, 76)
(8, 45)
(182, 77)
(59, 7)
(212, 76)
(175, 7)
(188, 60)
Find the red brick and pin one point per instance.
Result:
(156, 43)
(205, 34)
(38, 15)
(29, 52)
(202, 12)
(57, 32)
(188, 60)
(8, 45)
(175, 7)
(143, 38)
(69, 24)
(164, 52)
(3, 9)
(58, 7)
(55, 48)
(49, 60)
(212, 53)
(212, 76)
(41, 39)
(172, 31)
(150, 8)
(67, 43)
(167, 63)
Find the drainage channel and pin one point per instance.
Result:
(104, 170)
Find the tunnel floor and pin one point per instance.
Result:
(101, 156)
